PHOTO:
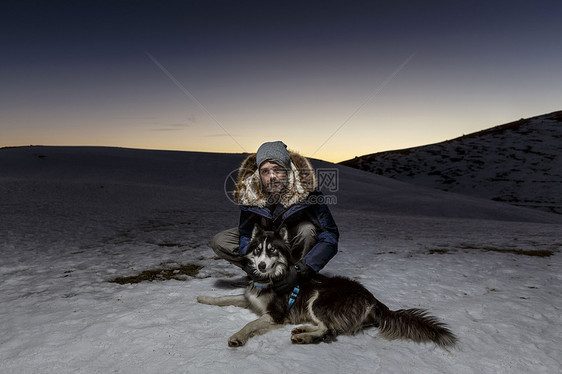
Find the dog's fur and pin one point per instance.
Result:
(334, 305)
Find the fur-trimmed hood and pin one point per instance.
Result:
(301, 182)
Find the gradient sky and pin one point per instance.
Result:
(333, 79)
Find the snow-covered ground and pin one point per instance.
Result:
(73, 219)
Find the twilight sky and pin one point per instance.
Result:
(332, 79)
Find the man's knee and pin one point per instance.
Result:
(225, 244)
(215, 242)
(304, 237)
(304, 231)
(308, 230)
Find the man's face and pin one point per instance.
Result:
(273, 177)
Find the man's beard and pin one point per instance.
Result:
(276, 187)
(276, 191)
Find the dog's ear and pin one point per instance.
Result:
(284, 233)
(257, 231)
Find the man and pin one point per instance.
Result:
(273, 189)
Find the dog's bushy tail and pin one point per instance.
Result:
(417, 325)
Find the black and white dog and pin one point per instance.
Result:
(333, 305)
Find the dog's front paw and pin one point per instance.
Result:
(236, 341)
(298, 330)
(300, 339)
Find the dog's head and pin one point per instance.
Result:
(268, 253)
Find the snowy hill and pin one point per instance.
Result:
(201, 178)
(103, 252)
(519, 163)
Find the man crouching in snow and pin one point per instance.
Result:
(276, 187)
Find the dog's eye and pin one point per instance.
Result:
(272, 251)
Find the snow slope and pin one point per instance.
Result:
(72, 219)
(519, 163)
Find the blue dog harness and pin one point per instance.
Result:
(293, 296)
(260, 285)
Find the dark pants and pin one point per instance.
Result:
(301, 236)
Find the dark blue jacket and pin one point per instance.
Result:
(272, 218)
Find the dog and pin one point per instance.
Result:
(332, 305)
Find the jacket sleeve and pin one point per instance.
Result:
(245, 228)
(328, 236)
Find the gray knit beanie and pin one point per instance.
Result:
(274, 152)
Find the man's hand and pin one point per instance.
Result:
(288, 282)
(297, 273)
